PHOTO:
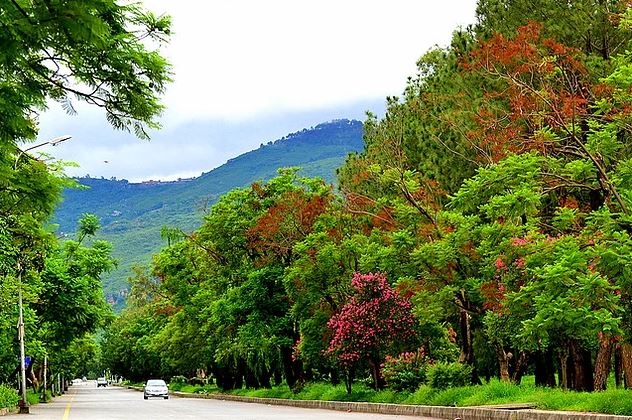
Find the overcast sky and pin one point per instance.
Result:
(251, 71)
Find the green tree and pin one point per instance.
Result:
(93, 51)
(97, 52)
(588, 25)
(71, 301)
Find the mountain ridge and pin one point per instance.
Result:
(133, 213)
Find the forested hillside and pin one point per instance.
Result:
(132, 214)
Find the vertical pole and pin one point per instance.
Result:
(25, 402)
(45, 373)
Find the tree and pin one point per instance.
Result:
(94, 51)
(374, 322)
(587, 25)
(220, 289)
(70, 307)
(71, 301)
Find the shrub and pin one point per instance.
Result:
(196, 381)
(8, 397)
(405, 372)
(448, 375)
(178, 379)
(176, 386)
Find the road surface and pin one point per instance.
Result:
(84, 401)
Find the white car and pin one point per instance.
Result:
(102, 382)
(156, 388)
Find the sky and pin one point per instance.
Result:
(248, 72)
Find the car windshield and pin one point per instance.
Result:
(156, 382)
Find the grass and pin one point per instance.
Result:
(32, 397)
(612, 401)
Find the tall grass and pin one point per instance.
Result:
(613, 401)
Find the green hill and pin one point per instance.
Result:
(132, 214)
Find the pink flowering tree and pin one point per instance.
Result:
(374, 321)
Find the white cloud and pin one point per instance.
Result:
(250, 71)
(233, 59)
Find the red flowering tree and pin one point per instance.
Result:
(374, 321)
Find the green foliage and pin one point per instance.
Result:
(582, 24)
(93, 51)
(102, 59)
(8, 397)
(133, 215)
(495, 195)
(449, 375)
(72, 302)
(81, 358)
(407, 371)
(126, 345)
(88, 226)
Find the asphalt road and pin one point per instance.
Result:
(84, 401)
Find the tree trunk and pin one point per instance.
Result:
(520, 367)
(250, 379)
(582, 367)
(544, 369)
(626, 359)
(466, 342)
(293, 369)
(334, 377)
(602, 362)
(278, 377)
(618, 366)
(378, 381)
(31, 376)
(239, 374)
(225, 378)
(349, 380)
(503, 362)
(564, 380)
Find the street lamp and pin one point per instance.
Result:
(24, 405)
(52, 142)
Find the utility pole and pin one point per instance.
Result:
(24, 404)
(45, 374)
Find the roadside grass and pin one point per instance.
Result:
(191, 389)
(612, 401)
(495, 392)
(32, 397)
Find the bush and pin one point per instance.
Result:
(178, 379)
(8, 397)
(196, 381)
(405, 372)
(449, 375)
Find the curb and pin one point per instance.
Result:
(7, 411)
(469, 413)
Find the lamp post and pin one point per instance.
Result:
(24, 405)
(52, 142)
